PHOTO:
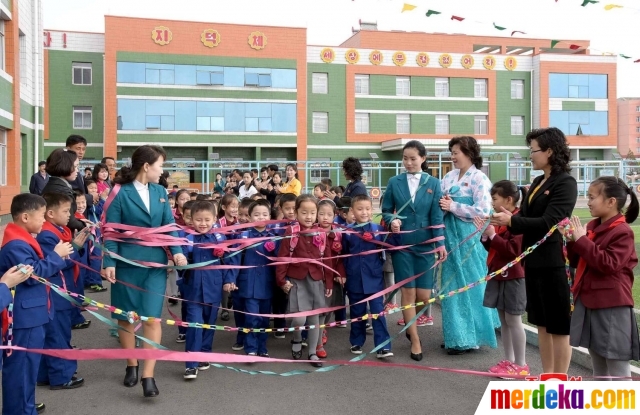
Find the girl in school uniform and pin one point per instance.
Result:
(269, 190)
(182, 197)
(307, 284)
(604, 254)
(292, 185)
(228, 216)
(506, 291)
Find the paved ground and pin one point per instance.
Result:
(347, 390)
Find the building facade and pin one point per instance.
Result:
(21, 100)
(629, 126)
(210, 91)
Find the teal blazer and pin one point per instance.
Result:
(128, 208)
(424, 211)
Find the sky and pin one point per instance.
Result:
(329, 22)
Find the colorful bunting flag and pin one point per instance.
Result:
(612, 6)
(636, 61)
(458, 18)
(574, 47)
(498, 27)
(624, 56)
(430, 12)
(587, 2)
(554, 43)
(407, 7)
(517, 31)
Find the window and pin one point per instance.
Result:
(442, 124)
(517, 125)
(637, 119)
(637, 129)
(580, 122)
(362, 84)
(81, 73)
(219, 116)
(82, 118)
(442, 87)
(362, 123)
(320, 122)
(319, 169)
(403, 124)
(3, 157)
(637, 109)
(480, 124)
(403, 85)
(564, 85)
(517, 89)
(1, 44)
(480, 88)
(319, 83)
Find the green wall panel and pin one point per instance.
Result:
(204, 139)
(423, 86)
(461, 124)
(6, 123)
(578, 106)
(461, 87)
(63, 96)
(593, 154)
(205, 60)
(423, 124)
(27, 156)
(6, 95)
(382, 85)
(440, 106)
(274, 153)
(333, 102)
(206, 93)
(507, 107)
(382, 123)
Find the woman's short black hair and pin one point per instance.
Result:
(554, 139)
(61, 162)
(469, 147)
(352, 168)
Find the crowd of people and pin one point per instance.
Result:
(330, 251)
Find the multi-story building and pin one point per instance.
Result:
(21, 100)
(629, 126)
(244, 92)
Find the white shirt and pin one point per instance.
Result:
(413, 180)
(244, 192)
(143, 191)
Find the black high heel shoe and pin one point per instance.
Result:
(415, 356)
(149, 388)
(131, 376)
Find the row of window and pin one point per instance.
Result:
(320, 85)
(140, 114)
(320, 124)
(580, 122)
(565, 85)
(229, 76)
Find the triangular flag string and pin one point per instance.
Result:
(432, 12)
(407, 7)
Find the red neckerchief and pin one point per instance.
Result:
(499, 231)
(65, 236)
(79, 215)
(582, 264)
(14, 232)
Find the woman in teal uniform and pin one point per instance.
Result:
(410, 203)
(140, 201)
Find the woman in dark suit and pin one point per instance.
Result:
(138, 200)
(550, 199)
(352, 170)
(62, 166)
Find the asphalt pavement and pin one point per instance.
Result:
(347, 390)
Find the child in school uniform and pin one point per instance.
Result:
(227, 216)
(236, 300)
(33, 309)
(319, 190)
(182, 197)
(56, 372)
(279, 301)
(343, 219)
(77, 287)
(364, 276)
(255, 285)
(203, 288)
(603, 320)
(243, 210)
(326, 214)
(506, 291)
(306, 283)
(186, 214)
(93, 280)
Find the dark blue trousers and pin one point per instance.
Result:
(54, 370)
(358, 333)
(238, 305)
(200, 340)
(256, 342)
(20, 372)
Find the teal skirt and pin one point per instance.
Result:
(146, 301)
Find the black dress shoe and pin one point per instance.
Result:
(75, 382)
(416, 356)
(131, 376)
(456, 352)
(40, 407)
(149, 388)
(45, 383)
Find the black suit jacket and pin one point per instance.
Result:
(553, 202)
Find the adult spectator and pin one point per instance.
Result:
(88, 173)
(292, 185)
(272, 169)
(100, 175)
(111, 164)
(62, 167)
(219, 184)
(39, 180)
(352, 170)
(174, 190)
(78, 144)
(550, 199)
